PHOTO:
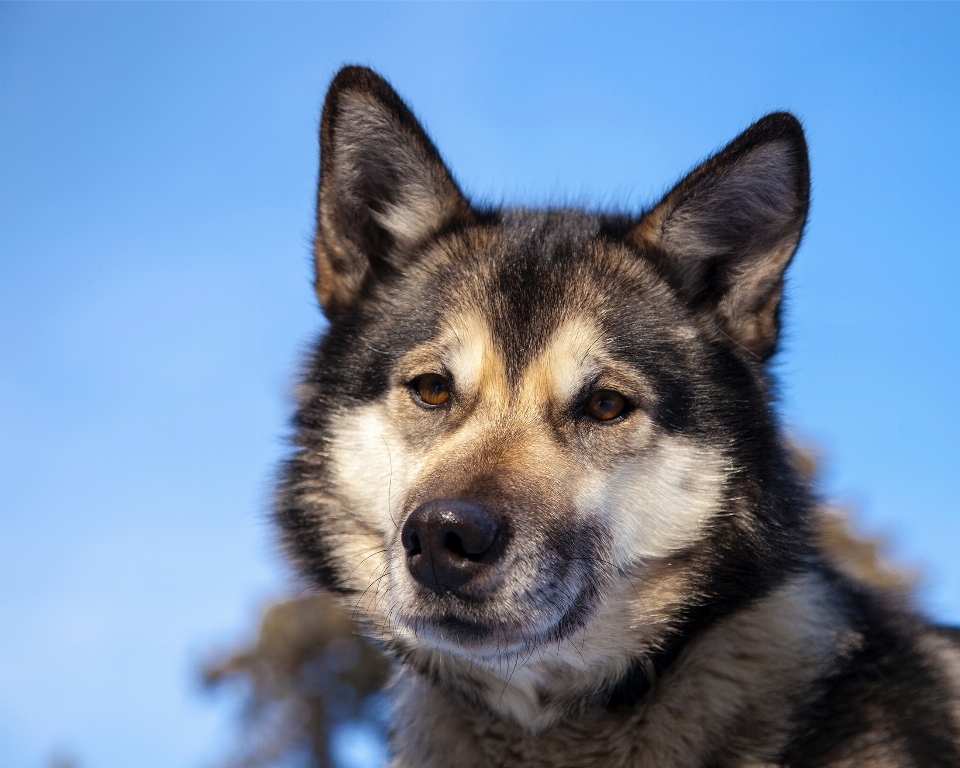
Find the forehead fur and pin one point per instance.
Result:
(539, 274)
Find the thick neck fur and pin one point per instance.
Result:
(728, 694)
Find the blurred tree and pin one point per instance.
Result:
(308, 672)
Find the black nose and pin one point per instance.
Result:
(448, 543)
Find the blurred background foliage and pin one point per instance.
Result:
(308, 676)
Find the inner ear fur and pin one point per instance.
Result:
(383, 191)
(727, 232)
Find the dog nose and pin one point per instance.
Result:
(448, 543)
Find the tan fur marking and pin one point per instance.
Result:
(561, 369)
(474, 360)
(658, 501)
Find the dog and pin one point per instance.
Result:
(537, 454)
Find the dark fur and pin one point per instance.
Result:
(687, 294)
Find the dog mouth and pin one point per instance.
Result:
(500, 624)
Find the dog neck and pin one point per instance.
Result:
(612, 664)
(736, 668)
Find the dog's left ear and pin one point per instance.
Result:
(726, 233)
(383, 191)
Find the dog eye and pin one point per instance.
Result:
(431, 389)
(605, 404)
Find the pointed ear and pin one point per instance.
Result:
(383, 188)
(727, 232)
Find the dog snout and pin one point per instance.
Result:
(449, 542)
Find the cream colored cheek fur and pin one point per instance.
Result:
(371, 472)
(656, 503)
(371, 466)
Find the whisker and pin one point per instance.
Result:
(389, 484)
(353, 615)
(374, 349)
(374, 554)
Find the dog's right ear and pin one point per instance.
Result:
(383, 191)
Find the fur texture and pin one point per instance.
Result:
(536, 453)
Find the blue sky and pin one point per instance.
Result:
(157, 172)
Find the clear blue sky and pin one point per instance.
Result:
(157, 172)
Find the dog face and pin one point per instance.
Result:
(527, 427)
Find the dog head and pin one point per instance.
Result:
(524, 427)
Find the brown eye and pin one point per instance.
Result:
(605, 404)
(432, 389)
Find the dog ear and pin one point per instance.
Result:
(383, 188)
(726, 233)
